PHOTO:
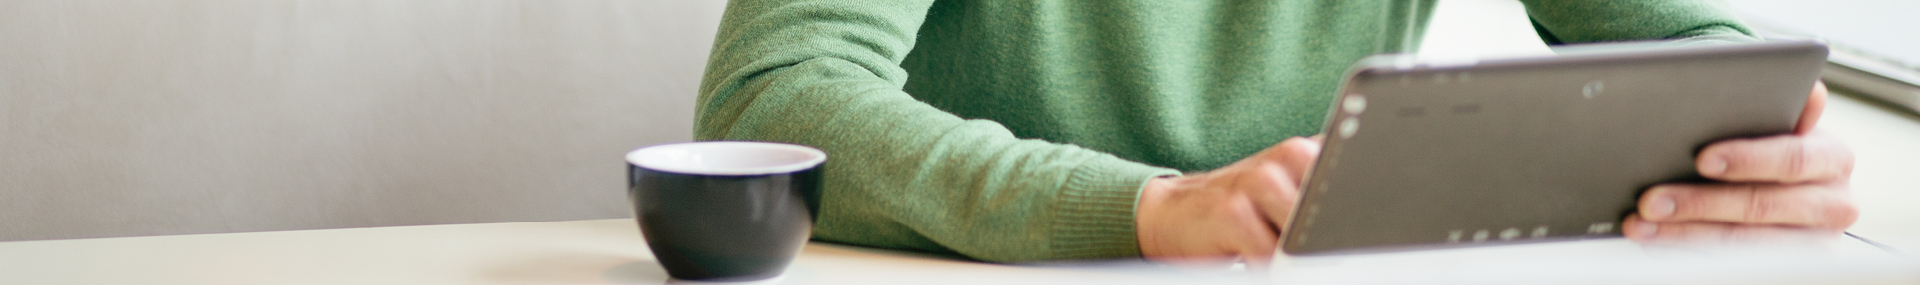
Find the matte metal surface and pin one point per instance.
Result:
(1527, 150)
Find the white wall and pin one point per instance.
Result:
(125, 118)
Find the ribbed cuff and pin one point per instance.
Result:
(1094, 214)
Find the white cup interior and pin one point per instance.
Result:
(727, 158)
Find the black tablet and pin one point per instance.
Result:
(1430, 154)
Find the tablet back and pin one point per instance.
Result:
(1423, 155)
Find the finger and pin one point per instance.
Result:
(1300, 154)
(1790, 205)
(1257, 239)
(1665, 233)
(1319, 141)
(1785, 158)
(1277, 175)
(1816, 103)
(1275, 195)
(1296, 153)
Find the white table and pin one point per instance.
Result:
(612, 252)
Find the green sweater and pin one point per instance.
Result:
(1023, 130)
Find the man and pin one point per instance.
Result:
(1028, 130)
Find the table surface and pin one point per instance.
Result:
(612, 252)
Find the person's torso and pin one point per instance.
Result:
(1191, 85)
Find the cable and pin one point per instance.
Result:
(1882, 246)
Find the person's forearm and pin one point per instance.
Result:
(901, 173)
(1564, 21)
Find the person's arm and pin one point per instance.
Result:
(1581, 21)
(901, 173)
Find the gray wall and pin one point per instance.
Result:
(127, 118)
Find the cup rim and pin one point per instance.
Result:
(644, 157)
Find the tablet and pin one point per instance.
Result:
(1434, 154)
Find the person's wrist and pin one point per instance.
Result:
(1152, 195)
(1151, 210)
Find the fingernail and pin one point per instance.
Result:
(1713, 165)
(1659, 208)
(1645, 229)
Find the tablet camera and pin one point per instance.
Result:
(1349, 127)
(1593, 88)
(1354, 104)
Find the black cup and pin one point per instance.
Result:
(725, 211)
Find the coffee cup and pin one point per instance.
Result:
(725, 211)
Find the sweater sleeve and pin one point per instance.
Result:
(1585, 21)
(901, 173)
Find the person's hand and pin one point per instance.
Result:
(1234, 211)
(1785, 188)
